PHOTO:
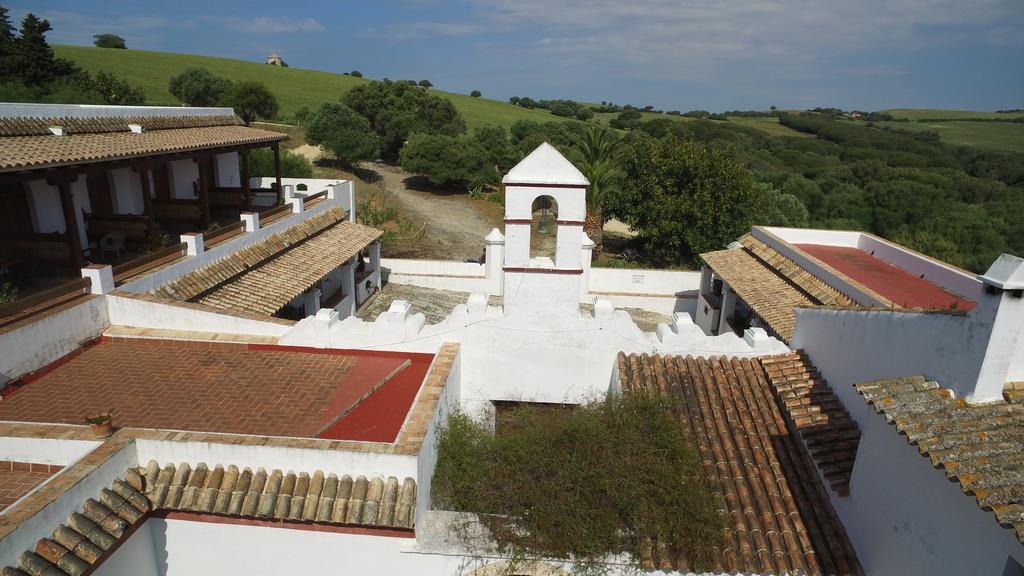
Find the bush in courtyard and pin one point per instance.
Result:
(198, 87)
(8, 293)
(579, 483)
(109, 41)
(447, 161)
(251, 100)
(343, 132)
(261, 164)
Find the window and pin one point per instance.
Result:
(544, 227)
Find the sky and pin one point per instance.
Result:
(712, 55)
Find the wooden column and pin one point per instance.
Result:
(147, 203)
(67, 204)
(246, 193)
(277, 169)
(204, 187)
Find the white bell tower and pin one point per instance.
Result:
(541, 285)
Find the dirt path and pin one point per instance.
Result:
(455, 223)
(308, 150)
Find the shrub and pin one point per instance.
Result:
(580, 484)
(475, 94)
(110, 89)
(356, 73)
(8, 293)
(343, 132)
(447, 161)
(198, 87)
(397, 109)
(251, 100)
(426, 84)
(261, 164)
(109, 41)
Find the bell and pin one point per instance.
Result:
(544, 226)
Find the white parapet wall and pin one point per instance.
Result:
(437, 274)
(39, 343)
(58, 452)
(44, 522)
(145, 313)
(427, 458)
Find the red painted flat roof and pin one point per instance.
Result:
(896, 284)
(234, 388)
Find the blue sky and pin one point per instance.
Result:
(673, 54)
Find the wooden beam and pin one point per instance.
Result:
(246, 193)
(276, 147)
(67, 204)
(147, 203)
(205, 163)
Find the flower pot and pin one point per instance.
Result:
(101, 429)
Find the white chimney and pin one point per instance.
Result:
(135, 128)
(57, 130)
(1004, 300)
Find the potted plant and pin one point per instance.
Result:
(101, 424)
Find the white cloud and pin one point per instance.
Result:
(266, 24)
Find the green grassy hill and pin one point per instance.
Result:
(916, 114)
(293, 87)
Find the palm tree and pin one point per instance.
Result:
(598, 147)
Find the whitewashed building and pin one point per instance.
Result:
(251, 443)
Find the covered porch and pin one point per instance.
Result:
(71, 198)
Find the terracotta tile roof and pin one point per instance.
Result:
(42, 151)
(980, 445)
(264, 277)
(812, 408)
(772, 284)
(816, 288)
(39, 126)
(79, 545)
(777, 511)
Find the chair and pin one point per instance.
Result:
(113, 242)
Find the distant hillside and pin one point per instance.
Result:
(293, 87)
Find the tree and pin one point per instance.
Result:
(584, 113)
(776, 208)
(684, 198)
(356, 73)
(396, 110)
(426, 84)
(109, 41)
(493, 140)
(198, 87)
(251, 100)
(475, 94)
(109, 88)
(261, 164)
(343, 132)
(598, 148)
(627, 120)
(8, 46)
(447, 161)
(34, 58)
(563, 109)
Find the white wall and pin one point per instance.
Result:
(127, 191)
(905, 517)
(35, 345)
(427, 459)
(436, 274)
(55, 451)
(186, 548)
(628, 281)
(950, 278)
(227, 170)
(44, 205)
(126, 311)
(184, 173)
(136, 556)
(313, 185)
(43, 523)
(849, 347)
(309, 460)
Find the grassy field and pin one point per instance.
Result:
(1002, 136)
(915, 114)
(293, 87)
(769, 125)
